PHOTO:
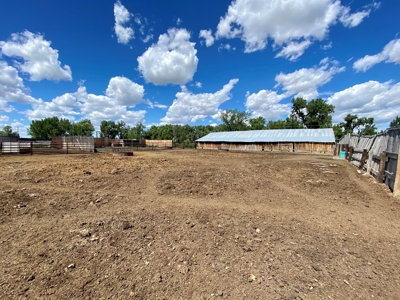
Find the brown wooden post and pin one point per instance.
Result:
(363, 158)
(31, 148)
(346, 149)
(396, 187)
(350, 153)
(382, 164)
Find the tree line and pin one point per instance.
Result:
(316, 113)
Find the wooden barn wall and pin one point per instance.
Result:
(289, 147)
(158, 143)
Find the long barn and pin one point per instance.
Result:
(291, 140)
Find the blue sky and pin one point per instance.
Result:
(183, 62)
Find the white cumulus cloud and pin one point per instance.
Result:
(305, 82)
(294, 50)
(122, 16)
(267, 104)
(226, 47)
(121, 93)
(353, 20)
(327, 46)
(389, 54)
(12, 88)
(369, 99)
(188, 107)
(207, 35)
(40, 60)
(125, 91)
(4, 119)
(172, 60)
(284, 21)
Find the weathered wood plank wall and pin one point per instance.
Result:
(382, 151)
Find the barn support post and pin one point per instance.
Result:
(369, 163)
(346, 147)
(396, 187)
(382, 165)
(350, 153)
(363, 158)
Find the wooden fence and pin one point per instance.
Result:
(55, 146)
(82, 143)
(378, 155)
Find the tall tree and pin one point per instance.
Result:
(108, 129)
(136, 132)
(355, 124)
(235, 120)
(49, 127)
(7, 131)
(366, 126)
(257, 123)
(314, 114)
(338, 131)
(395, 122)
(351, 122)
(82, 128)
(289, 123)
(123, 129)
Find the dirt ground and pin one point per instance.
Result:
(187, 224)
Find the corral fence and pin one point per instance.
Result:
(378, 155)
(56, 145)
(81, 144)
(140, 145)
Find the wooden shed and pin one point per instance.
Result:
(291, 140)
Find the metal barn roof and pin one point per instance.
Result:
(325, 135)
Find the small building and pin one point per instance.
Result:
(291, 140)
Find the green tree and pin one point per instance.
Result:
(289, 123)
(293, 123)
(108, 129)
(257, 123)
(279, 124)
(123, 130)
(355, 124)
(83, 128)
(234, 120)
(7, 131)
(151, 134)
(136, 132)
(366, 126)
(395, 122)
(49, 127)
(314, 114)
(165, 132)
(338, 131)
(351, 122)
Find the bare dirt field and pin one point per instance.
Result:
(193, 224)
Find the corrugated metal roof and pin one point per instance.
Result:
(325, 135)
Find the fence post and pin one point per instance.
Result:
(363, 158)
(346, 149)
(382, 164)
(350, 153)
(31, 148)
(67, 146)
(396, 187)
